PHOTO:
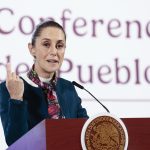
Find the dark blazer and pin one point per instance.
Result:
(18, 117)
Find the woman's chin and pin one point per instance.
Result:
(52, 70)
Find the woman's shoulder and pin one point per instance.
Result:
(64, 81)
(3, 85)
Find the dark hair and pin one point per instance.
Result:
(42, 25)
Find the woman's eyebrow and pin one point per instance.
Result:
(47, 39)
(44, 39)
(61, 41)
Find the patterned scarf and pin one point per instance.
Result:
(49, 90)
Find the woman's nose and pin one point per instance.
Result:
(53, 50)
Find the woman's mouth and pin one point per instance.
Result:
(52, 61)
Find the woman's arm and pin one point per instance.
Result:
(13, 115)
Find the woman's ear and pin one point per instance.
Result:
(31, 49)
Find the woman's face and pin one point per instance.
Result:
(48, 51)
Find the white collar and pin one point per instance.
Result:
(45, 79)
(25, 77)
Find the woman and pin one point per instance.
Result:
(27, 100)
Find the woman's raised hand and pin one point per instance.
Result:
(14, 84)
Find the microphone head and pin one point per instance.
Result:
(81, 87)
(77, 84)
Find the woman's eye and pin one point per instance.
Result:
(59, 46)
(46, 44)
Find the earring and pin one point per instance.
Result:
(34, 59)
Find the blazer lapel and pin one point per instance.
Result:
(36, 100)
(62, 98)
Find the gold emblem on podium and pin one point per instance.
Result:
(104, 132)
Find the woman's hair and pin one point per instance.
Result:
(42, 25)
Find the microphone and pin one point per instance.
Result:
(81, 87)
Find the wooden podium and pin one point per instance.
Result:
(64, 134)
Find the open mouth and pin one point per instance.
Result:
(52, 61)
